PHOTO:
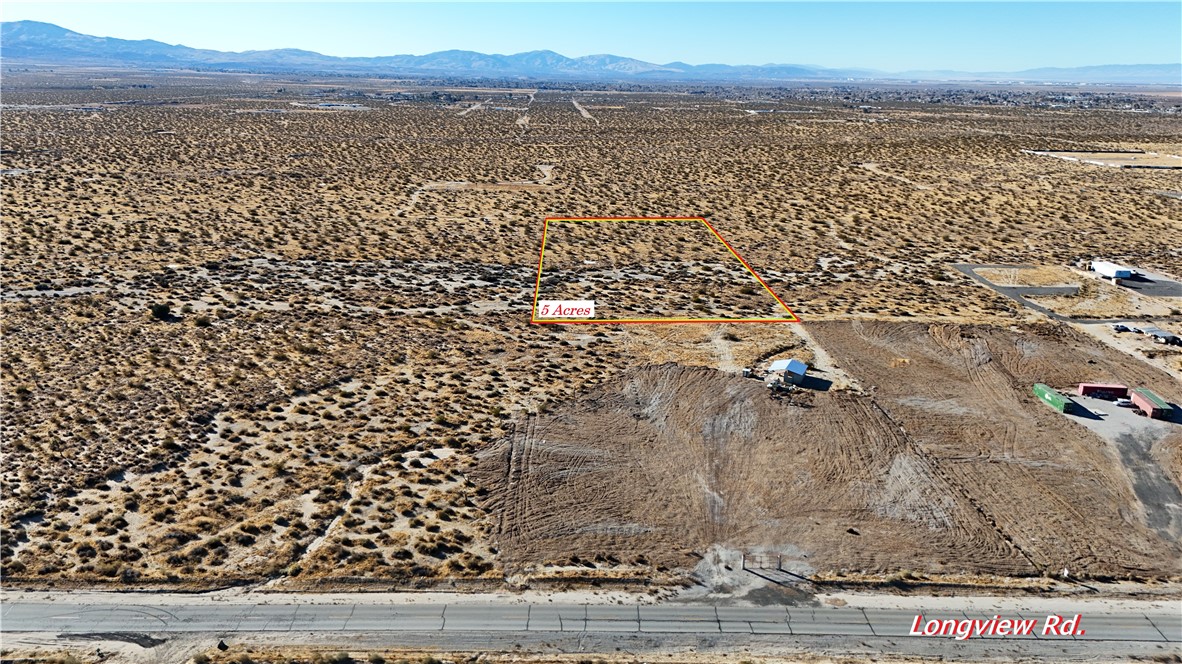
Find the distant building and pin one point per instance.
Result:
(1103, 391)
(1111, 270)
(1161, 336)
(1151, 404)
(793, 371)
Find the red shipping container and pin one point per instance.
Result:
(1103, 391)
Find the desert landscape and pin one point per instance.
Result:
(932, 468)
(652, 271)
(276, 331)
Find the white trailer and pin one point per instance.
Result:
(1111, 270)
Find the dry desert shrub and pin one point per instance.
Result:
(248, 339)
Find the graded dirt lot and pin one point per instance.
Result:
(1030, 276)
(947, 465)
(964, 397)
(674, 460)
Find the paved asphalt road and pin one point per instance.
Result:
(1161, 628)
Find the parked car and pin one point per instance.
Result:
(1117, 327)
(1124, 403)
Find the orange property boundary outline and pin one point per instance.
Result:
(793, 318)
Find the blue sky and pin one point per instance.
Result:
(971, 36)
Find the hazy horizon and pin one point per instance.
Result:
(886, 36)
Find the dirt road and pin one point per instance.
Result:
(475, 107)
(583, 111)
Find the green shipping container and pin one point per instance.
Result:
(1052, 398)
(1151, 404)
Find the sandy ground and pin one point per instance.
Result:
(583, 110)
(1037, 276)
(931, 471)
(1168, 359)
(1099, 299)
(877, 170)
(650, 270)
(1119, 159)
(349, 297)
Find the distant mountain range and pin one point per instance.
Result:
(32, 42)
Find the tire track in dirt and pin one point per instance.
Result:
(936, 468)
(916, 488)
(672, 460)
(993, 383)
(722, 348)
(971, 525)
(1056, 491)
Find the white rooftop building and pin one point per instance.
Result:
(1111, 270)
